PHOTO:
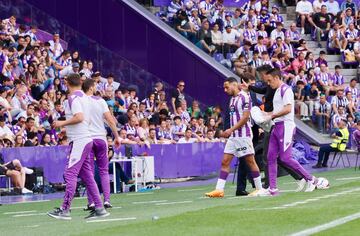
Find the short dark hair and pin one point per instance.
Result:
(246, 77)
(337, 67)
(353, 79)
(73, 80)
(152, 129)
(87, 84)
(31, 135)
(300, 82)
(274, 72)
(29, 119)
(188, 130)
(177, 118)
(231, 80)
(263, 68)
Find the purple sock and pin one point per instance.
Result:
(223, 175)
(255, 174)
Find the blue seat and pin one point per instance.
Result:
(229, 56)
(218, 57)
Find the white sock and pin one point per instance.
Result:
(257, 182)
(220, 185)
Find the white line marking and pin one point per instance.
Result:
(329, 225)
(35, 214)
(204, 197)
(149, 202)
(119, 207)
(172, 203)
(349, 178)
(138, 194)
(287, 191)
(74, 208)
(79, 198)
(31, 226)
(30, 202)
(18, 212)
(191, 190)
(109, 220)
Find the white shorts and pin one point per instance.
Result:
(239, 147)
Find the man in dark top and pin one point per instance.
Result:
(177, 95)
(268, 107)
(181, 24)
(205, 38)
(321, 21)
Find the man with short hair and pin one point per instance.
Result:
(338, 101)
(188, 137)
(239, 143)
(77, 112)
(281, 137)
(177, 95)
(322, 113)
(100, 113)
(321, 21)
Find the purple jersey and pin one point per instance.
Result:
(238, 105)
(324, 77)
(293, 35)
(337, 79)
(250, 35)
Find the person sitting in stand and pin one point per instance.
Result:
(340, 140)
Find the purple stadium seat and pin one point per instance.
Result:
(229, 56)
(218, 57)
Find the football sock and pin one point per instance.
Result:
(257, 179)
(222, 180)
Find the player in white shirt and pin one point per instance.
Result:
(100, 112)
(239, 143)
(304, 9)
(281, 137)
(78, 113)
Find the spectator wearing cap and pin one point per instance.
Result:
(349, 4)
(230, 36)
(217, 38)
(275, 17)
(322, 113)
(333, 7)
(340, 140)
(337, 38)
(322, 22)
(55, 46)
(348, 18)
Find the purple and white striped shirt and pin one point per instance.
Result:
(262, 33)
(250, 35)
(260, 48)
(354, 92)
(238, 105)
(324, 77)
(337, 79)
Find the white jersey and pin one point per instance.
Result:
(284, 96)
(78, 102)
(98, 109)
(238, 105)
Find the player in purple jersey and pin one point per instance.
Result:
(77, 113)
(99, 113)
(281, 137)
(239, 136)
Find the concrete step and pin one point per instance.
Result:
(345, 72)
(333, 64)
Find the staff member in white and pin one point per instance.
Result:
(99, 113)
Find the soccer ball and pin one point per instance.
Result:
(322, 183)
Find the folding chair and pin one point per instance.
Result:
(340, 155)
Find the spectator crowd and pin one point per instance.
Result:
(33, 94)
(253, 34)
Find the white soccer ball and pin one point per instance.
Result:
(322, 183)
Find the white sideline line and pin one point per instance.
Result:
(191, 190)
(17, 212)
(287, 191)
(172, 203)
(35, 214)
(31, 202)
(326, 226)
(74, 208)
(31, 226)
(119, 207)
(349, 178)
(79, 198)
(149, 202)
(138, 194)
(109, 220)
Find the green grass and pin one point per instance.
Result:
(199, 216)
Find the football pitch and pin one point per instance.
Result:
(184, 211)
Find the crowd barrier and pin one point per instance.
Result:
(171, 161)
